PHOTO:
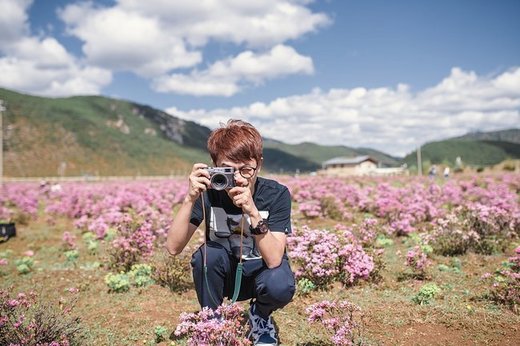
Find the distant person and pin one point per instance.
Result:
(433, 171)
(446, 172)
(256, 206)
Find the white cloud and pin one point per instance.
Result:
(224, 77)
(122, 40)
(13, 20)
(254, 23)
(41, 65)
(29, 76)
(393, 120)
(157, 37)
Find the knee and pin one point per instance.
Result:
(278, 284)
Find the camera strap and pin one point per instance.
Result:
(238, 273)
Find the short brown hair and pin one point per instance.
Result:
(237, 141)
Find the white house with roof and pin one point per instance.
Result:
(359, 165)
(345, 166)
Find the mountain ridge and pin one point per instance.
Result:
(98, 135)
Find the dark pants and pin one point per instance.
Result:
(272, 288)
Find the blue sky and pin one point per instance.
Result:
(380, 74)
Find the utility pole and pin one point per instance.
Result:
(2, 108)
(419, 161)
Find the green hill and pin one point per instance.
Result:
(510, 135)
(319, 153)
(94, 135)
(472, 152)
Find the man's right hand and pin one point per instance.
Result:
(198, 181)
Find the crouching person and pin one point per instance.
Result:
(247, 219)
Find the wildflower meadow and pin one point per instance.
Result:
(378, 261)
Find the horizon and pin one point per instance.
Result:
(402, 75)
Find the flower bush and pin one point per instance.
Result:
(222, 326)
(323, 257)
(339, 318)
(417, 260)
(25, 321)
(505, 287)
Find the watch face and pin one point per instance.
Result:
(261, 228)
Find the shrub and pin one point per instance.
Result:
(324, 257)
(355, 263)
(332, 207)
(417, 261)
(25, 321)
(310, 209)
(505, 288)
(450, 236)
(222, 326)
(426, 294)
(134, 242)
(338, 318)
(173, 272)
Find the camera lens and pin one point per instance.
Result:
(219, 181)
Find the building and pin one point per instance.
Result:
(359, 165)
(345, 166)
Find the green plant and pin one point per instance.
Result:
(71, 256)
(160, 333)
(382, 241)
(426, 294)
(24, 265)
(90, 241)
(305, 286)
(118, 282)
(141, 275)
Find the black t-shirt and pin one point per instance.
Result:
(224, 219)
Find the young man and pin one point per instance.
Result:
(257, 207)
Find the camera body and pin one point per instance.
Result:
(221, 178)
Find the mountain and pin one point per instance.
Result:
(475, 149)
(511, 136)
(95, 135)
(319, 153)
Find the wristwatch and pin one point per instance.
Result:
(261, 228)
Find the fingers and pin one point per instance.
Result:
(198, 180)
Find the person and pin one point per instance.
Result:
(433, 171)
(258, 207)
(446, 172)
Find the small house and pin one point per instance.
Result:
(346, 166)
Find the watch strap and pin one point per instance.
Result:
(261, 228)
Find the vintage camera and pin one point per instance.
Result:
(221, 177)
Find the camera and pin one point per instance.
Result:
(221, 177)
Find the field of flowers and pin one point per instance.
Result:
(392, 261)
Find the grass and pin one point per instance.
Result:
(457, 316)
